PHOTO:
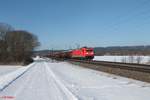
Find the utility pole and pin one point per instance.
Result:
(78, 45)
(52, 54)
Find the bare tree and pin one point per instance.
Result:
(148, 62)
(4, 28)
(16, 46)
(139, 59)
(131, 59)
(124, 60)
(20, 44)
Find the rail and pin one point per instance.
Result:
(128, 66)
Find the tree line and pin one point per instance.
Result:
(16, 46)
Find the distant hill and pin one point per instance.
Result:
(123, 50)
(113, 50)
(41, 52)
(45, 52)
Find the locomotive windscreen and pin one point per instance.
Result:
(89, 50)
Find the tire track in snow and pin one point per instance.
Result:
(68, 93)
(24, 85)
(11, 77)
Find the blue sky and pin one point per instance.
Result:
(63, 24)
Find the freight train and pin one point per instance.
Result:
(84, 53)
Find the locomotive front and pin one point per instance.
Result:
(83, 53)
(89, 53)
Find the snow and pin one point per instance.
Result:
(50, 80)
(6, 79)
(93, 85)
(4, 69)
(38, 58)
(66, 91)
(128, 59)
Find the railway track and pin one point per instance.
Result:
(130, 70)
(128, 66)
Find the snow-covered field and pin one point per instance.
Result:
(126, 59)
(47, 80)
(7, 78)
(4, 69)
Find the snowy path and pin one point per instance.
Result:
(39, 84)
(63, 81)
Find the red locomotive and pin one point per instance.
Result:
(81, 53)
